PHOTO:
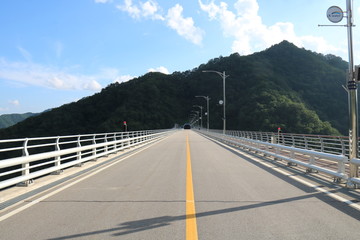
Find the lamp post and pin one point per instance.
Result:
(201, 114)
(335, 15)
(352, 95)
(197, 115)
(223, 76)
(192, 120)
(207, 110)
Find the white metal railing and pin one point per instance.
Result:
(320, 143)
(355, 161)
(22, 160)
(309, 153)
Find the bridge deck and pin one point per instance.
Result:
(144, 197)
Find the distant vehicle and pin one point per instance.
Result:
(187, 126)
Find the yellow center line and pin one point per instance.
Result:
(191, 227)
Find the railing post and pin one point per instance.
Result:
(293, 140)
(128, 142)
(273, 139)
(115, 144)
(78, 154)
(106, 146)
(341, 169)
(343, 147)
(292, 156)
(118, 145)
(322, 147)
(94, 152)
(277, 151)
(25, 166)
(122, 142)
(78, 145)
(312, 162)
(57, 158)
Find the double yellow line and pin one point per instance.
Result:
(191, 227)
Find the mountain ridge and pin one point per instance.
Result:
(7, 120)
(282, 86)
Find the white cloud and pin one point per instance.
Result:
(124, 78)
(57, 83)
(103, 1)
(114, 75)
(159, 69)
(46, 76)
(149, 9)
(246, 8)
(185, 27)
(133, 11)
(251, 34)
(14, 102)
(174, 19)
(92, 85)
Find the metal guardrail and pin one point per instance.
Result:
(356, 162)
(22, 160)
(326, 154)
(320, 143)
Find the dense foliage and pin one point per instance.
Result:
(283, 86)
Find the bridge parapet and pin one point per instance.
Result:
(22, 160)
(324, 154)
(355, 180)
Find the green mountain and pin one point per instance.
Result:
(283, 86)
(7, 120)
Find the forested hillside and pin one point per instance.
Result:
(283, 86)
(7, 120)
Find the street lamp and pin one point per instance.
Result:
(352, 96)
(207, 110)
(335, 15)
(196, 116)
(223, 76)
(201, 108)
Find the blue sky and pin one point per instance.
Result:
(57, 52)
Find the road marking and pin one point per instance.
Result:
(191, 227)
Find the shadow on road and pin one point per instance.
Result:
(126, 228)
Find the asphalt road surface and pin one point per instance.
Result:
(186, 187)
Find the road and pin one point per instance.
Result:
(148, 195)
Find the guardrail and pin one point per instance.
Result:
(355, 161)
(316, 153)
(320, 143)
(22, 160)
